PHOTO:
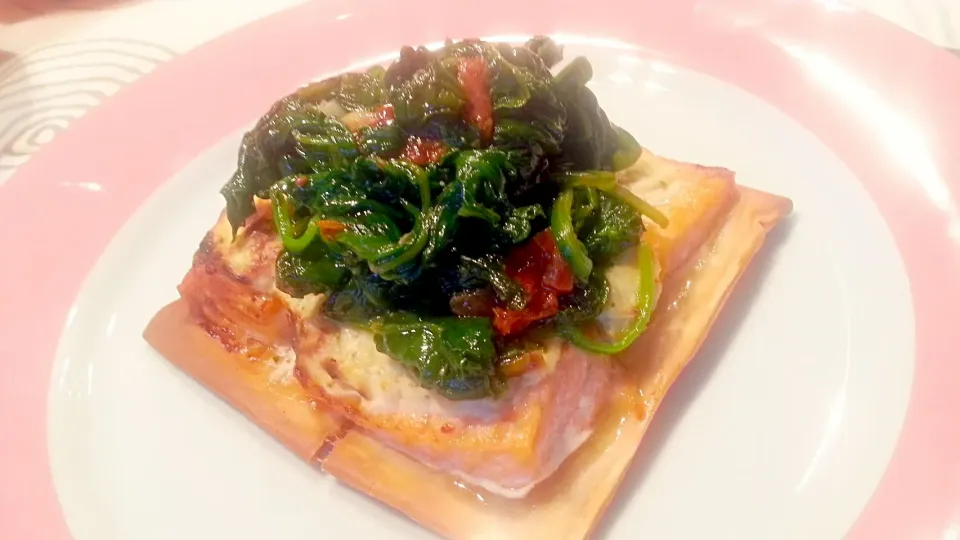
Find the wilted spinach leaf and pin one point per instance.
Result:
(453, 355)
(300, 274)
(396, 189)
(610, 228)
(489, 269)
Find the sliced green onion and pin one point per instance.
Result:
(561, 224)
(645, 304)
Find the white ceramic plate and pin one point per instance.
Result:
(782, 424)
(782, 427)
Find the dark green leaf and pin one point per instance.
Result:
(265, 153)
(391, 242)
(585, 303)
(611, 228)
(311, 272)
(548, 50)
(363, 299)
(489, 270)
(519, 222)
(628, 150)
(454, 356)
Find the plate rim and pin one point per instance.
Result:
(846, 89)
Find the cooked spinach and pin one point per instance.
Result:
(610, 228)
(397, 190)
(489, 269)
(454, 355)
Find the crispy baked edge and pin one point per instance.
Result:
(571, 503)
(282, 408)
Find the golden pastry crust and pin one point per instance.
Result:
(225, 331)
(254, 385)
(569, 505)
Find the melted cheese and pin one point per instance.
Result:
(284, 362)
(238, 256)
(623, 277)
(505, 445)
(348, 365)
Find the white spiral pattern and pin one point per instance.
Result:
(43, 91)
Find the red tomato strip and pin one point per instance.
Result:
(383, 115)
(539, 268)
(423, 151)
(472, 75)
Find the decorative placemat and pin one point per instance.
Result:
(96, 47)
(43, 91)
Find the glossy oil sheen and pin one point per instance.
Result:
(771, 433)
(891, 118)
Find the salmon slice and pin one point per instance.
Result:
(232, 331)
(569, 505)
(231, 287)
(504, 445)
(309, 367)
(695, 198)
(258, 381)
(509, 444)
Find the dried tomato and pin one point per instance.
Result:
(472, 75)
(423, 151)
(539, 268)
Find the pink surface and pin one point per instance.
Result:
(883, 100)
